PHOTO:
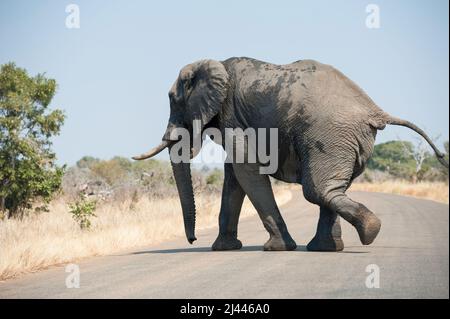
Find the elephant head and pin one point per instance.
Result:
(197, 95)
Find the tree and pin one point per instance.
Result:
(442, 169)
(113, 171)
(419, 153)
(391, 157)
(28, 172)
(405, 160)
(87, 162)
(433, 170)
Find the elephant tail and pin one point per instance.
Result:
(400, 122)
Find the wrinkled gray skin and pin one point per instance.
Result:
(326, 126)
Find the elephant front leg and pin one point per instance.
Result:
(232, 199)
(259, 190)
(328, 234)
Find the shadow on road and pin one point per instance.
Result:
(196, 250)
(300, 248)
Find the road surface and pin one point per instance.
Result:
(411, 253)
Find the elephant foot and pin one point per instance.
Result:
(367, 225)
(226, 243)
(325, 244)
(277, 244)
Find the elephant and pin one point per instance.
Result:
(326, 127)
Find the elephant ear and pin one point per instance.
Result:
(205, 85)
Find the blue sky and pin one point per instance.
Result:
(115, 71)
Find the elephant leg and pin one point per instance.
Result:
(232, 199)
(259, 191)
(328, 234)
(366, 223)
(325, 185)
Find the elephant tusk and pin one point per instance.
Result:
(153, 151)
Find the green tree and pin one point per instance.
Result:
(403, 159)
(443, 170)
(395, 158)
(433, 169)
(28, 172)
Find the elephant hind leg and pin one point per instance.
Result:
(366, 223)
(328, 234)
(326, 186)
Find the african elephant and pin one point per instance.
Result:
(326, 130)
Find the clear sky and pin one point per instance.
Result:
(114, 72)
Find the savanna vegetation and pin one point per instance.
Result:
(28, 172)
(403, 160)
(52, 214)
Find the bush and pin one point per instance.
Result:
(403, 160)
(82, 210)
(215, 177)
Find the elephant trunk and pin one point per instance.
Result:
(182, 174)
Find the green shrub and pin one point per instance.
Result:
(215, 177)
(82, 210)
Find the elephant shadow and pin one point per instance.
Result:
(244, 249)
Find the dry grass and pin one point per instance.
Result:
(433, 191)
(52, 238)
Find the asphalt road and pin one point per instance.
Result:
(411, 253)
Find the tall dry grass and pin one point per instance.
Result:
(436, 191)
(52, 238)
